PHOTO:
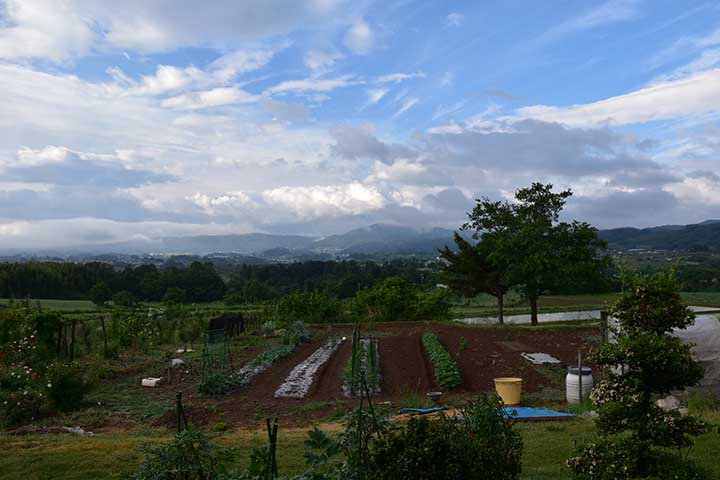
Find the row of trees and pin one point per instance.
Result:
(257, 283)
(201, 281)
(523, 245)
(198, 282)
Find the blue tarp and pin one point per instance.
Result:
(519, 413)
(533, 412)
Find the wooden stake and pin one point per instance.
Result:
(580, 375)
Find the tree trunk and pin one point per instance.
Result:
(533, 311)
(501, 307)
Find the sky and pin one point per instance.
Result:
(148, 118)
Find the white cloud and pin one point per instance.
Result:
(455, 19)
(448, 79)
(407, 105)
(399, 77)
(317, 59)
(167, 79)
(313, 85)
(359, 38)
(693, 95)
(210, 98)
(43, 29)
(326, 200)
(375, 95)
(84, 231)
(443, 111)
(27, 157)
(227, 67)
(607, 13)
(62, 29)
(231, 202)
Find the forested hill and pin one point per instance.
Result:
(703, 236)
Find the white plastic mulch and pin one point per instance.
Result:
(298, 383)
(248, 372)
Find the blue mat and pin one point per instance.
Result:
(517, 413)
(522, 413)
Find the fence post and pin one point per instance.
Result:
(604, 326)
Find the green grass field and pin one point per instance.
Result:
(482, 305)
(546, 447)
(486, 305)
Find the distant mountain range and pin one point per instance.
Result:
(695, 237)
(375, 241)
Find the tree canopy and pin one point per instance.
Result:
(536, 252)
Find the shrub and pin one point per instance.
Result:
(393, 299)
(66, 386)
(214, 383)
(447, 373)
(190, 456)
(434, 305)
(635, 433)
(482, 446)
(296, 333)
(124, 298)
(313, 307)
(21, 406)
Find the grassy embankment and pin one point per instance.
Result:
(547, 446)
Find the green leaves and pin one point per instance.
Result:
(447, 373)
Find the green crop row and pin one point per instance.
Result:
(364, 357)
(447, 373)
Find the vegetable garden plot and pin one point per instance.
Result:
(259, 364)
(298, 382)
(366, 358)
(447, 373)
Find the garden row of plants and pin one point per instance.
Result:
(223, 382)
(480, 444)
(447, 373)
(364, 361)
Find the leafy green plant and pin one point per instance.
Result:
(215, 383)
(67, 385)
(296, 333)
(635, 433)
(393, 299)
(434, 305)
(362, 361)
(482, 445)
(447, 373)
(219, 427)
(190, 456)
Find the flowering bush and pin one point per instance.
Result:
(632, 428)
(66, 385)
(30, 385)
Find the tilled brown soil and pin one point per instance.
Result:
(482, 354)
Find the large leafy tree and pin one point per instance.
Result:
(469, 270)
(534, 249)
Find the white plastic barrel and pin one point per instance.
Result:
(572, 381)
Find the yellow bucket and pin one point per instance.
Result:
(509, 389)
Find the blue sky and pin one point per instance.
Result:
(139, 119)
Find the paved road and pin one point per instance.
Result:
(556, 317)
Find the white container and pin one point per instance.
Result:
(572, 384)
(151, 382)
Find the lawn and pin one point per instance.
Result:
(547, 446)
(486, 305)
